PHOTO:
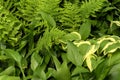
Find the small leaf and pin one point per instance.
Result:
(24, 63)
(57, 63)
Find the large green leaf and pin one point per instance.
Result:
(73, 54)
(104, 68)
(114, 72)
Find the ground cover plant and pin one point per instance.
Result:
(59, 40)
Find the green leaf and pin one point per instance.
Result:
(35, 61)
(49, 19)
(62, 71)
(78, 70)
(115, 72)
(71, 37)
(102, 70)
(24, 63)
(89, 55)
(112, 47)
(14, 55)
(85, 30)
(39, 73)
(105, 66)
(5, 77)
(8, 71)
(73, 54)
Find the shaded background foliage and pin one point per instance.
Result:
(39, 39)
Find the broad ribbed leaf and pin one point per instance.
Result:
(112, 48)
(103, 69)
(73, 54)
(90, 54)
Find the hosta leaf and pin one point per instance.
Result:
(96, 62)
(5, 77)
(85, 30)
(114, 58)
(115, 72)
(106, 46)
(103, 68)
(73, 54)
(112, 48)
(83, 46)
(105, 42)
(70, 37)
(116, 22)
(90, 54)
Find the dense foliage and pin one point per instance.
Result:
(59, 39)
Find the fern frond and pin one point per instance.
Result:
(48, 38)
(9, 24)
(90, 7)
(72, 15)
